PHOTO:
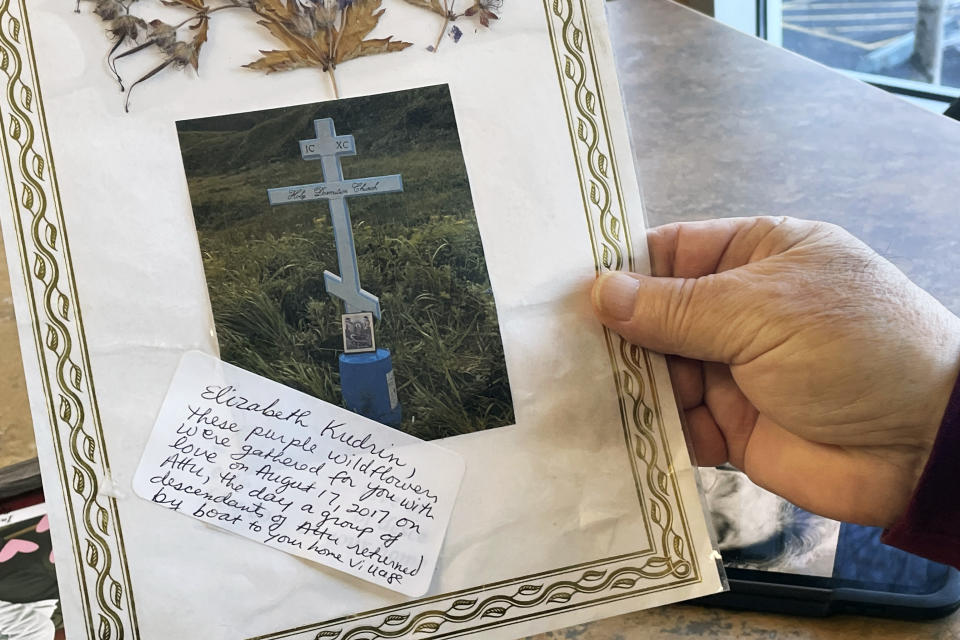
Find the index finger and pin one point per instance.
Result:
(695, 249)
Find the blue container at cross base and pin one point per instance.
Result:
(368, 386)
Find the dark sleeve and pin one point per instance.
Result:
(930, 527)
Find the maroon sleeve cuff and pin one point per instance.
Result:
(930, 527)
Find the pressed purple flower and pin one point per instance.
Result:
(325, 13)
(110, 9)
(182, 53)
(456, 33)
(126, 27)
(485, 10)
(302, 20)
(163, 35)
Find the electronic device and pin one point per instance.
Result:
(782, 559)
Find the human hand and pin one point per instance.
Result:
(806, 360)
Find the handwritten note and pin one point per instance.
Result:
(249, 455)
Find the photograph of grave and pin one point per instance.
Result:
(317, 220)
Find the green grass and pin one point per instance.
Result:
(418, 251)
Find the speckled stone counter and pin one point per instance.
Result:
(686, 621)
(726, 125)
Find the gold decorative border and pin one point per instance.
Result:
(612, 245)
(94, 528)
(93, 525)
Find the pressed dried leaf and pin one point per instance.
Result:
(373, 47)
(323, 45)
(276, 6)
(432, 5)
(319, 34)
(362, 18)
(483, 11)
(199, 38)
(308, 47)
(192, 4)
(273, 61)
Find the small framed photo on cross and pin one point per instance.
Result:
(358, 333)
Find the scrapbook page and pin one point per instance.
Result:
(302, 294)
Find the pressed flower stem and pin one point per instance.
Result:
(333, 81)
(343, 25)
(447, 11)
(139, 47)
(443, 30)
(111, 62)
(147, 76)
(200, 14)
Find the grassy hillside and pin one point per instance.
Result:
(419, 251)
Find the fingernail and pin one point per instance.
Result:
(615, 295)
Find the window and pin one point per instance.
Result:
(906, 46)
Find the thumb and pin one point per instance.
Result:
(698, 318)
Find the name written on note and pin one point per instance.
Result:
(243, 453)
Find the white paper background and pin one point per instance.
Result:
(552, 491)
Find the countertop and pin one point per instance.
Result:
(726, 125)
(16, 428)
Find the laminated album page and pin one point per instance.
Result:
(302, 294)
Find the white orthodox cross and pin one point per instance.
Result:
(328, 147)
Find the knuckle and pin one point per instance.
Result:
(678, 317)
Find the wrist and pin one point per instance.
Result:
(928, 368)
(930, 524)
